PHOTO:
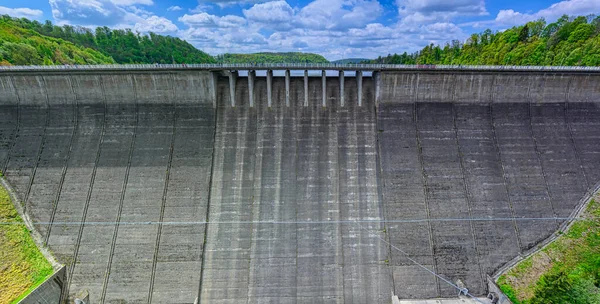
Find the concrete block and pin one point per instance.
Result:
(31, 90)
(59, 90)
(473, 88)
(511, 88)
(156, 88)
(549, 88)
(584, 88)
(89, 89)
(192, 87)
(438, 87)
(8, 93)
(119, 89)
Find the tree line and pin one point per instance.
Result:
(21, 46)
(570, 41)
(118, 45)
(266, 57)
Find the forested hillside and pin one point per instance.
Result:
(19, 46)
(568, 41)
(272, 58)
(124, 46)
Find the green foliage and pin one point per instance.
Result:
(272, 58)
(22, 46)
(568, 41)
(22, 265)
(91, 47)
(573, 276)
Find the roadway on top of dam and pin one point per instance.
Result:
(153, 195)
(301, 66)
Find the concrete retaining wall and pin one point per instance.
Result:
(61, 88)
(486, 87)
(49, 292)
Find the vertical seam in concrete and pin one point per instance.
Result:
(17, 128)
(269, 88)
(467, 194)
(298, 130)
(340, 225)
(162, 206)
(453, 98)
(287, 88)
(121, 201)
(568, 124)
(65, 166)
(39, 155)
(324, 87)
(90, 189)
(251, 78)
(341, 79)
(426, 195)
(508, 196)
(493, 89)
(538, 154)
(306, 88)
(257, 163)
(416, 93)
(567, 93)
(529, 84)
(214, 85)
(209, 197)
(381, 196)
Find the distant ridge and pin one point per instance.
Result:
(268, 57)
(351, 60)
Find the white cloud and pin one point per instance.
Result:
(156, 24)
(270, 12)
(423, 11)
(132, 2)
(553, 12)
(174, 8)
(225, 3)
(211, 21)
(339, 14)
(88, 12)
(21, 12)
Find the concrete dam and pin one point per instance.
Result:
(171, 184)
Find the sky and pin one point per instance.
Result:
(335, 29)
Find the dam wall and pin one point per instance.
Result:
(167, 185)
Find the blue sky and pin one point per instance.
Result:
(333, 28)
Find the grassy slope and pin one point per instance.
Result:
(22, 265)
(566, 271)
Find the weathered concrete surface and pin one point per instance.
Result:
(489, 87)
(122, 171)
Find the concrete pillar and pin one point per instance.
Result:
(342, 88)
(376, 82)
(213, 87)
(232, 81)
(324, 78)
(359, 85)
(306, 88)
(251, 78)
(287, 88)
(270, 87)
